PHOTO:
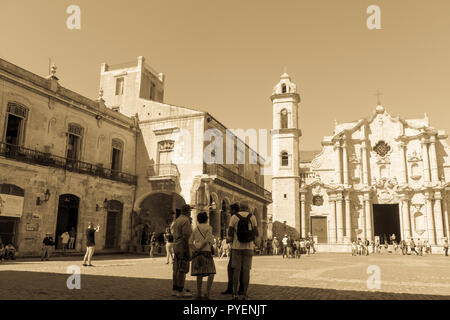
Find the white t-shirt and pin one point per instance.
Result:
(65, 237)
(284, 241)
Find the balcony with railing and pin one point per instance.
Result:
(227, 174)
(163, 171)
(21, 154)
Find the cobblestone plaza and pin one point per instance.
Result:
(320, 276)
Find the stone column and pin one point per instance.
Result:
(345, 162)
(368, 216)
(303, 214)
(425, 161)
(406, 219)
(446, 217)
(433, 160)
(438, 217)
(333, 221)
(339, 219)
(365, 161)
(348, 217)
(404, 169)
(337, 151)
(430, 219)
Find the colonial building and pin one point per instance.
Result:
(124, 161)
(374, 177)
(175, 162)
(65, 160)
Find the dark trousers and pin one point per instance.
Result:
(446, 251)
(230, 277)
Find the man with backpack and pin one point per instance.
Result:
(244, 232)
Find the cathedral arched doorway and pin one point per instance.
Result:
(386, 222)
(67, 219)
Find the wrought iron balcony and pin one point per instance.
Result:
(225, 173)
(31, 156)
(162, 171)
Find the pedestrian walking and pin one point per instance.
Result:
(201, 241)
(90, 244)
(446, 247)
(244, 230)
(182, 231)
(47, 245)
(311, 242)
(168, 239)
(367, 246)
(403, 247)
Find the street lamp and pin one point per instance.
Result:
(46, 198)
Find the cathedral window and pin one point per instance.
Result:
(119, 86)
(382, 148)
(283, 88)
(284, 159)
(284, 119)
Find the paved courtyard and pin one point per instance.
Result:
(320, 276)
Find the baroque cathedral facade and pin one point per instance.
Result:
(374, 178)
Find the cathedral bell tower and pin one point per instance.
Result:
(285, 153)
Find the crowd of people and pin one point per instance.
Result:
(194, 250)
(410, 246)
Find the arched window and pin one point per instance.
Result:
(284, 119)
(283, 88)
(284, 159)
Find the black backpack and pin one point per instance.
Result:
(245, 230)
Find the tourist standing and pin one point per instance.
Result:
(269, 247)
(65, 240)
(276, 245)
(72, 236)
(354, 249)
(284, 243)
(367, 246)
(311, 242)
(90, 244)
(181, 230)
(234, 208)
(446, 247)
(427, 247)
(153, 241)
(420, 247)
(47, 245)
(168, 239)
(201, 242)
(243, 229)
(413, 246)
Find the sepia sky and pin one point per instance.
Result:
(225, 56)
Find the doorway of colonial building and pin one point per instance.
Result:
(67, 216)
(386, 221)
(113, 224)
(319, 229)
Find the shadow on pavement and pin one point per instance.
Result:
(22, 285)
